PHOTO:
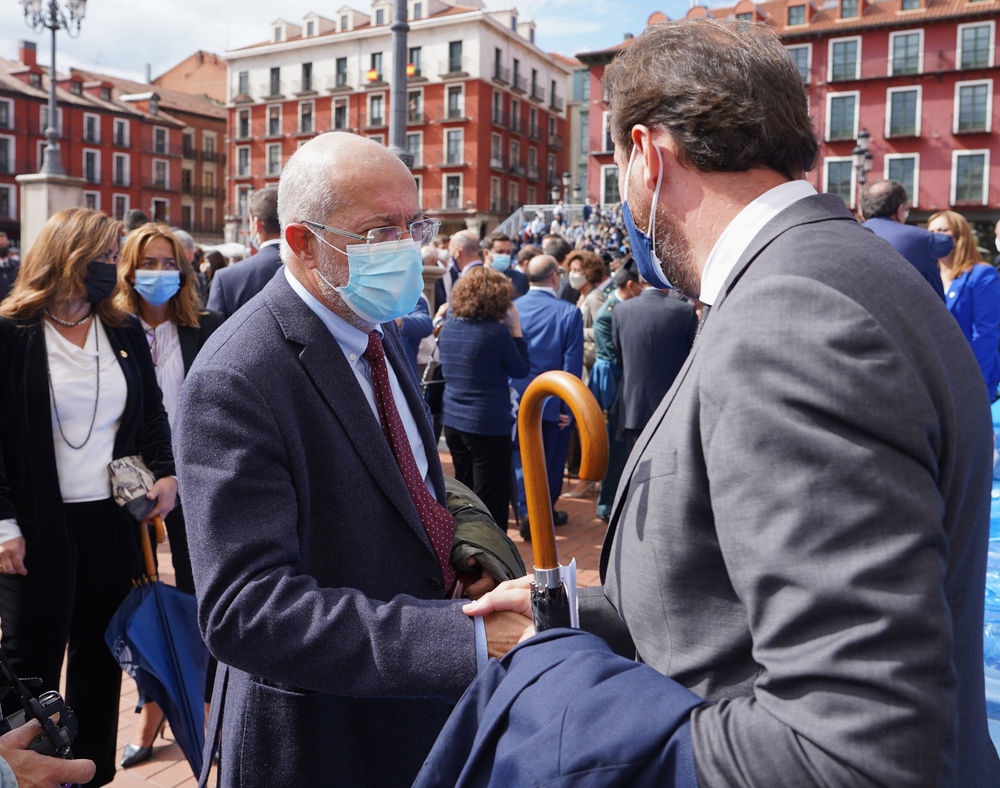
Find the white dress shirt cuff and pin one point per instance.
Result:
(9, 529)
(482, 655)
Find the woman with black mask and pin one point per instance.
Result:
(78, 390)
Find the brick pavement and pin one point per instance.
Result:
(581, 537)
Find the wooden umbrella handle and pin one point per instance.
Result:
(593, 451)
(160, 529)
(147, 550)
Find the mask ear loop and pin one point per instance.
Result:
(656, 199)
(628, 171)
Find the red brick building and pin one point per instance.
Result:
(159, 151)
(920, 76)
(486, 118)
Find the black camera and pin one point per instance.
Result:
(49, 742)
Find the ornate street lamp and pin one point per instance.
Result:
(41, 14)
(566, 178)
(862, 159)
(554, 194)
(576, 193)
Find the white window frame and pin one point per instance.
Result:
(123, 124)
(249, 172)
(271, 146)
(920, 57)
(461, 101)
(857, 111)
(368, 118)
(605, 116)
(809, 59)
(495, 160)
(496, 186)
(97, 199)
(97, 163)
(40, 150)
(43, 112)
(166, 172)
(418, 158)
(604, 180)
(379, 138)
(889, 157)
(515, 158)
(11, 198)
(10, 113)
(989, 106)
(239, 117)
(11, 152)
(993, 41)
(955, 156)
(461, 145)
(513, 195)
(312, 107)
(281, 120)
(242, 202)
(829, 56)
(888, 109)
(419, 179)
(461, 190)
(114, 199)
(346, 101)
(854, 180)
(97, 128)
(422, 107)
(166, 206)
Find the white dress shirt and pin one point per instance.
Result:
(741, 231)
(165, 347)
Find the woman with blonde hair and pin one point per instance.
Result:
(972, 294)
(79, 390)
(158, 285)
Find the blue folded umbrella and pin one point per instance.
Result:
(154, 636)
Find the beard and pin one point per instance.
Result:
(671, 245)
(327, 272)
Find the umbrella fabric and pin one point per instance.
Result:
(154, 637)
(561, 709)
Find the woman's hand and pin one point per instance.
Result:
(513, 321)
(164, 492)
(12, 557)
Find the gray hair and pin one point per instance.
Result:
(467, 241)
(184, 237)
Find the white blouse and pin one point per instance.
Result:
(165, 347)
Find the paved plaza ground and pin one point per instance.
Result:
(581, 537)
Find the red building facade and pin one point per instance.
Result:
(135, 147)
(920, 76)
(485, 116)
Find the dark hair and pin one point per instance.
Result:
(557, 246)
(215, 261)
(492, 239)
(624, 275)
(593, 266)
(135, 218)
(882, 199)
(481, 294)
(263, 206)
(525, 253)
(726, 92)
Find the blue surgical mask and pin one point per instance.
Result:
(157, 287)
(501, 262)
(643, 245)
(384, 281)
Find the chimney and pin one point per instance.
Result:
(26, 53)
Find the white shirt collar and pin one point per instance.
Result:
(741, 231)
(271, 242)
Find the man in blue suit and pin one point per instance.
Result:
(497, 255)
(233, 286)
(553, 329)
(884, 206)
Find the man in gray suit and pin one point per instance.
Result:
(318, 540)
(800, 533)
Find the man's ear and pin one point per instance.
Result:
(299, 240)
(901, 214)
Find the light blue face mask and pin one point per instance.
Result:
(157, 287)
(385, 280)
(501, 262)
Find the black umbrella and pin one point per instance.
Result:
(551, 597)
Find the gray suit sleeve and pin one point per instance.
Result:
(259, 608)
(829, 518)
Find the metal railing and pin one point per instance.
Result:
(512, 225)
(501, 73)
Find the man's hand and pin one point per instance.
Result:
(164, 492)
(565, 420)
(506, 612)
(483, 585)
(504, 630)
(40, 771)
(12, 557)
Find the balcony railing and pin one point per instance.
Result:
(538, 93)
(557, 103)
(518, 125)
(338, 83)
(455, 67)
(158, 184)
(121, 180)
(209, 155)
(520, 84)
(533, 173)
(187, 188)
(454, 113)
(498, 162)
(555, 142)
(170, 150)
(501, 74)
(305, 87)
(535, 132)
(499, 117)
(371, 77)
(375, 121)
(936, 62)
(517, 168)
(416, 116)
(498, 205)
(269, 90)
(187, 152)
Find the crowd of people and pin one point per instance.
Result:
(799, 542)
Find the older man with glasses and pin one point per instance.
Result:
(319, 541)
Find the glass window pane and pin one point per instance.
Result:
(845, 56)
(972, 100)
(906, 54)
(976, 46)
(969, 178)
(903, 113)
(903, 171)
(839, 175)
(842, 118)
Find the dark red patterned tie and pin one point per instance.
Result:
(437, 520)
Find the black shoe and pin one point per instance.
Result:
(559, 518)
(525, 530)
(134, 755)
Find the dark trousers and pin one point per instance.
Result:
(555, 443)
(177, 534)
(70, 602)
(482, 463)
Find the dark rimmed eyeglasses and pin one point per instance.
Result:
(422, 231)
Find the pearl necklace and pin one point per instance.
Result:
(66, 323)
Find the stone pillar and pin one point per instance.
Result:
(475, 223)
(41, 197)
(431, 274)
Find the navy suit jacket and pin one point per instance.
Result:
(234, 285)
(974, 300)
(440, 292)
(920, 247)
(652, 335)
(562, 710)
(553, 329)
(415, 327)
(519, 280)
(318, 589)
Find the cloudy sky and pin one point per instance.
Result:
(122, 36)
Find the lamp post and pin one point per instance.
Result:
(566, 178)
(40, 14)
(862, 159)
(554, 194)
(397, 118)
(576, 193)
